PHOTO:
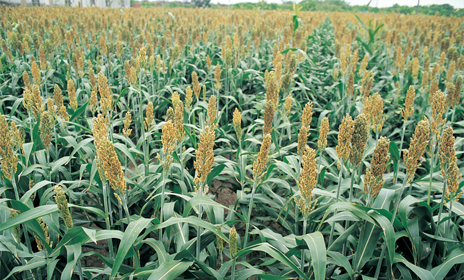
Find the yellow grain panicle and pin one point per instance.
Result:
(149, 116)
(417, 147)
(408, 108)
(323, 131)
(437, 103)
(448, 165)
(72, 94)
(359, 139)
(196, 85)
(204, 155)
(345, 133)
(260, 162)
(127, 122)
(62, 203)
(373, 181)
(212, 111)
(237, 120)
(308, 173)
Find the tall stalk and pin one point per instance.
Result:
(401, 148)
(303, 251)
(340, 176)
(250, 208)
(198, 227)
(107, 221)
(432, 148)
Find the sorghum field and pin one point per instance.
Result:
(217, 144)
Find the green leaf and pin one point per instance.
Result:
(316, 245)
(367, 243)
(128, 239)
(422, 273)
(273, 252)
(158, 246)
(170, 270)
(26, 216)
(455, 257)
(215, 172)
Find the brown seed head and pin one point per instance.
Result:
(373, 181)
(307, 115)
(93, 101)
(46, 128)
(408, 109)
(178, 119)
(196, 85)
(57, 96)
(237, 120)
(27, 100)
(359, 139)
(168, 141)
(260, 162)
(415, 67)
(212, 110)
(437, 102)
(189, 97)
(373, 109)
(217, 77)
(233, 242)
(448, 164)
(204, 155)
(127, 122)
(345, 133)
(269, 112)
(417, 147)
(27, 83)
(72, 94)
(35, 73)
(37, 106)
(62, 203)
(323, 131)
(308, 173)
(149, 116)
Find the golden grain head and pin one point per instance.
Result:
(237, 120)
(359, 139)
(261, 160)
(323, 131)
(233, 242)
(204, 155)
(212, 110)
(408, 103)
(308, 173)
(62, 203)
(417, 147)
(380, 158)
(345, 133)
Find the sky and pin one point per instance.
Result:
(374, 3)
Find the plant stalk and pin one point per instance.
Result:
(340, 175)
(250, 207)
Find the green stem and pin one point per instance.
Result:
(162, 204)
(232, 274)
(250, 208)
(340, 175)
(431, 170)
(107, 221)
(198, 227)
(401, 148)
(429, 265)
(303, 251)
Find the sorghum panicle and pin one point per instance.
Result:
(373, 181)
(417, 147)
